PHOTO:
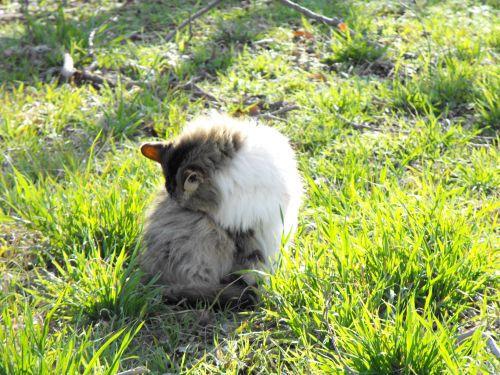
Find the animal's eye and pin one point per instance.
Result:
(191, 182)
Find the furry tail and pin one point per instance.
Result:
(233, 295)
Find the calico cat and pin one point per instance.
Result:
(232, 190)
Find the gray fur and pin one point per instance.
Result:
(190, 254)
(204, 151)
(193, 257)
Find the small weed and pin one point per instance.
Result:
(448, 87)
(235, 31)
(488, 104)
(355, 50)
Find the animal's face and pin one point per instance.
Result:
(187, 170)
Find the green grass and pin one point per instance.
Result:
(397, 248)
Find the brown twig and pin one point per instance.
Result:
(289, 108)
(270, 116)
(86, 75)
(274, 114)
(190, 85)
(360, 126)
(68, 72)
(356, 125)
(326, 20)
(188, 21)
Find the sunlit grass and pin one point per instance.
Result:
(28, 343)
(397, 247)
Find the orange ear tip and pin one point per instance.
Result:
(144, 148)
(151, 151)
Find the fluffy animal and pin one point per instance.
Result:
(232, 190)
(193, 256)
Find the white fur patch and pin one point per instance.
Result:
(261, 188)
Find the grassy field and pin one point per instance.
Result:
(396, 129)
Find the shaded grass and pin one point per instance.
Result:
(397, 249)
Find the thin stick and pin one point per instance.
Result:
(309, 13)
(85, 75)
(274, 115)
(98, 80)
(326, 20)
(134, 371)
(483, 138)
(479, 145)
(68, 70)
(485, 335)
(199, 91)
(186, 22)
(282, 110)
(356, 125)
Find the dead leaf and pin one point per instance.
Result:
(254, 110)
(303, 34)
(343, 27)
(317, 77)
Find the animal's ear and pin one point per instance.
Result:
(155, 150)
